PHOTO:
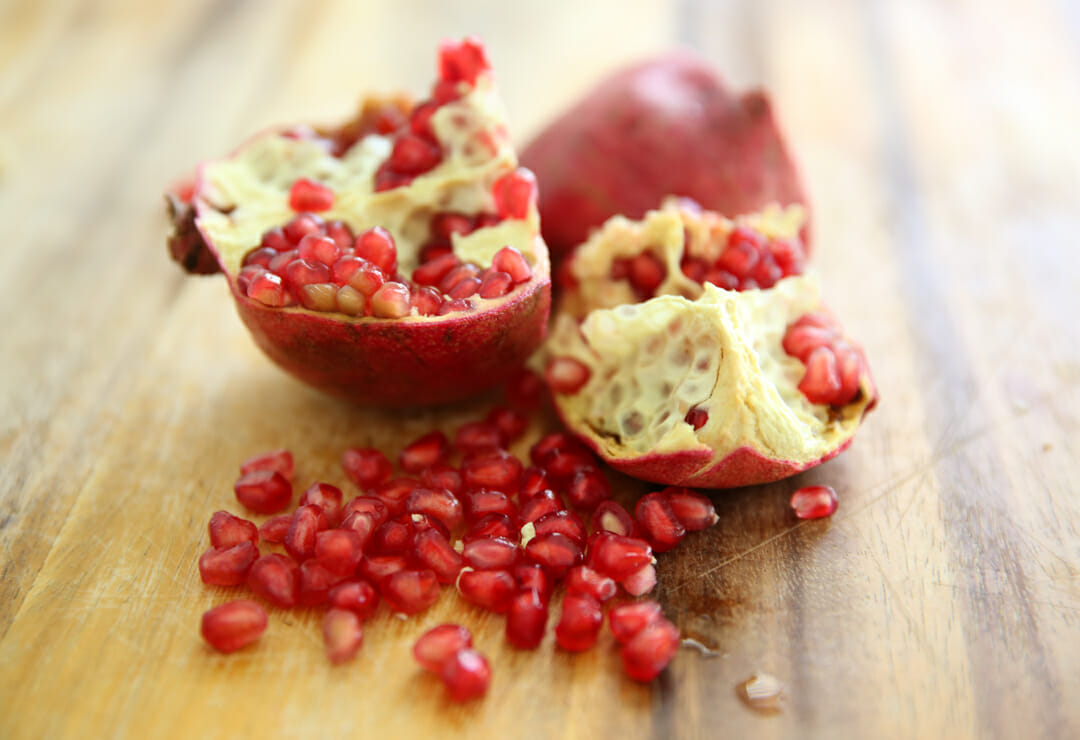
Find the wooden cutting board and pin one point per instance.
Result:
(943, 598)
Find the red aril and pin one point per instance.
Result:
(579, 624)
(234, 625)
(227, 530)
(395, 492)
(370, 505)
(567, 523)
(439, 644)
(515, 194)
(410, 591)
(479, 504)
(393, 537)
(525, 390)
(274, 529)
(814, 502)
(307, 521)
(540, 505)
(476, 437)
(275, 578)
(357, 596)
(588, 489)
(487, 589)
(617, 556)
(263, 491)
(610, 516)
(492, 524)
(530, 576)
(566, 375)
(227, 566)
(377, 568)
(316, 580)
(641, 581)
(658, 522)
(511, 262)
(533, 481)
(626, 620)
(554, 551)
(466, 675)
(280, 461)
(693, 510)
(438, 503)
(433, 551)
(339, 550)
(581, 579)
(511, 422)
(526, 619)
(429, 450)
(326, 497)
(366, 467)
(343, 634)
(308, 195)
(443, 476)
(490, 553)
(463, 61)
(648, 652)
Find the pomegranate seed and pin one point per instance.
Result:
(562, 442)
(466, 675)
(456, 275)
(533, 482)
(247, 274)
(316, 580)
(431, 449)
(263, 491)
(443, 476)
(494, 524)
(694, 510)
(340, 232)
(566, 523)
(436, 502)
(234, 625)
(533, 577)
(479, 504)
(358, 596)
(849, 364)
(694, 268)
(280, 461)
(340, 550)
(435, 271)
(495, 285)
(413, 155)
(515, 193)
(410, 591)
(316, 248)
(525, 389)
(391, 301)
(227, 530)
(300, 272)
(814, 502)
(464, 288)
(646, 273)
(377, 568)
(426, 300)
(554, 551)
(566, 375)
(326, 497)
(227, 566)
(342, 634)
(763, 693)
(495, 469)
(351, 301)
(479, 436)
(275, 239)
(301, 225)
(610, 516)
(395, 492)
(273, 529)
(626, 620)
(487, 589)
(658, 522)
(281, 261)
(540, 505)
(366, 467)
(650, 650)
(617, 556)
(394, 536)
(420, 118)
(641, 581)
(742, 252)
(821, 383)
(445, 225)
(387, 179)
(510, 422)
(562, 465)
(526, 619)
(377, 246)
(319, 297)
(455, 306)
(432, 550)
(308, 195)
(581, 579)
(275, 578)
(697, 417)
(370, 505)
(588, 488)
(767, 272)
(491, 553)
(579, 624)
(367, 279)
(362, 524)
(307, 521)
(513, 263)
(462, 61)
(439, 644)
(434, 248)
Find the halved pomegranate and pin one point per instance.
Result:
(396, 260)
(686, 373)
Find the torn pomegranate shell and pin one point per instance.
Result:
(348, 294)
(692, 383)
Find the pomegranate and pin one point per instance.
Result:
(666, 126)
(699, 379)
(396, 260)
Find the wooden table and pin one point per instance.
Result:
(942, 600)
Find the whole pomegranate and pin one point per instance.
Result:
(666, 126)
(693, 350)
(396, 259)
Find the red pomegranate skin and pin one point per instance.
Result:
(667, 126)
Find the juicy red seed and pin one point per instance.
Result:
(315, 248)
(496, 469)
(366, 467)
(358, 596)
(342, 635)
(363, 524)
(554, 442)
(424, 522)
(388, 179)
(445, 225)
(641, 581)
(610, 516)
(377, 568)
(275, 239)
(376, 245)
(514, 193)
(820, 319)
(646, 273)
(458, 305)
(487, 589)
(566, 375)
(301, 272)
(367, 505)
(581, 579)
(814, 502)
(533, 482)
(439, 644)
(283, 260)
(420, 118)
(391, 301)
(650, 650)
(227, 530)
(301, 225)
(850, 365)
(436, 270)
(410, 591)
(540, 505)
(588, 488)
(260, 257)
(479, 504)
(495, 285)
(493, 524)
(697, 417)
(438, 503)
(513, 263)
(626, 620)
(308, 195)
(367, 278)
(561, 465)
(464, 288)
(491, 553)
(526, 619)
(274, 529)
(395, 492)
(479, 436)
(280, 461)
(580, 622)
(767, 272)
(566, 523)
(393, 537)
(658, 522)
(326, 497)
(234, 625)
(307, 521)
(414, 155)
(433, 249)
(723, 279)
(821, 383)
(533, 577)
(617, 556)
(247, 274)
(263, 491)
(694, 510)
(316, 580)
(227, 566)
(443, 476)
(432, 550)
(741, 254)
(275, 578)
(466, 675)
(431, 449)
(340, 232)
(510, 422)
(462, 61)
(340, 550)
(345, 268)
(456, 275)
(800, 341)
(426, 300)
(554, 551)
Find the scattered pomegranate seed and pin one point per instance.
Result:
(581, 579)
(466, 675)
(315, 248)
(275, 578)
(491, 524)
(374, 507)
(316, 580)
(439, 644)
(540, 505)
(462, 61)
(530, 576)
(479, 504)
(588, 489)
(443, 476)
(693, 510)
(395, 492)
(491, 553)
(617, 556)
(814, 502)
(555, 551)
(432, 550)
(263, 491)
(410, 591)
(476, 437)
(326, 497)
(431, 449)
(343, 634)
(579, 624)
(366, 467)
(566, 375)
(234, 625)
(697, 417)
(377, 568)
(646, 273)
(301, 225)
(495, 469)
(436, 502)
(641, 581)
(227, 530)
(515, 194)
(533, 482)
(280, 461)
(308, 195)
(488, 589)
(227, 566)
(357, 596)
(566, 523)
(648, 652)
(821, 383)
(610, 516)
(526, 619)
(658, 522)
(307, 521)
(273, 530)
(510, 422)
(413, 155)
(393, 537)
(340, 550)
(626, 620)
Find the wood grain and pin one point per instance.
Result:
(942, 600)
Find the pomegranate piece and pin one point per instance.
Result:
(227, 530)
(357, 596)
(579, 624)
(227, 566)
(234, 625)
(275, 578)
(439, 644)
(526, 619)
(316, 580)
(658, 522)
(263, 491)
(610, 516)
(588, 489)
(433, 551)
(581, 579)
(426, 452)
(438, 503)
(466, 675)
(641, 581)
(339, 550)
(366, 467)
(478, 437)
(410, 591)
(490, 553)
(566, 375)
(343, 633)
(616, 556)
(814, 502)
(554, 551)
(308, 195)
(487, 589)
(280, 461)
(649, 651)
(326, 497)
(275, 528)
(306, 523)
(626, 620)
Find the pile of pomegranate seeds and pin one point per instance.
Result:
(833, 366)
(814, 502)
(748, 261)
